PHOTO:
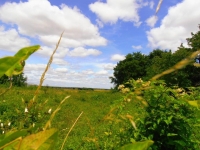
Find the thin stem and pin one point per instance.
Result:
(7, 88)
(70, 130)
(46, 69)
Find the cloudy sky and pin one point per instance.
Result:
(97, 34)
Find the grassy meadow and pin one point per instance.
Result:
(90, 128)
(110, 119)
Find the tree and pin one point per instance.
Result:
(133, 66)
(159, 61)
(4, 79)
(136, 65)
(17, 80)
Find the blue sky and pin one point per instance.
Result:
(98, 34)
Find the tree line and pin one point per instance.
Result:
(17, 80)
(137, 65)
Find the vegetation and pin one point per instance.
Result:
(144, 115)
(137, 65)
(17, 80)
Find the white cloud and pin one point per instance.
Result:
(151, 4)
(102, 72)
(114, 10)
(82, 52)
(35, 66)
(151, 21)
(68, 78)
(38, 18)
(137, 47)
(117, 57)
(181, 20)
(62, 70)
(60, 62)
(11, 40)
(109, 66)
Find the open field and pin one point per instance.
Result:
(94, 104)
(108, 119)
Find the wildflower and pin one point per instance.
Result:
(125, 90)
(26, 110)
(120, 87)
(179, 90)
(128, 100)
(2, 125)
(3, 132)
(9, 123)
(49, 110)
(33, 125)
(139, 80)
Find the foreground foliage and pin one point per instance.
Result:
(170, 120)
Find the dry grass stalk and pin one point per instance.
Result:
(46, 69)
(158, 6)
(70, 130)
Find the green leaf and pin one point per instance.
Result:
(171, 134)
(8, 62)
(10, 136)
(137, 146)
(14, 65)
(36, 141)
(50, 143)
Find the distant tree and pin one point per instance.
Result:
(17, 80)
(4, 79)
(194, 41)
(159, 61)
(133, 66)
(137, 65)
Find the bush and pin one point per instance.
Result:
(169, 121)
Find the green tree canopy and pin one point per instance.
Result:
(133, 66)
(137, 65)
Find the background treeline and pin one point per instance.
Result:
(138, 65)
(17, 80)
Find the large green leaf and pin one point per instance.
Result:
(137, 145)
(8, 62)
(11, 136)
(14, 65)
(36, 141)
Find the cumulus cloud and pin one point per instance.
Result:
(137, 47)
(62, 76)
(113, 10)
(82, 52)
(176, 26)
(102, 72)
(11, 40)
(60, 61)
(151, 21)
(109, 66)
(38, 18)
(117, 57)
(62, 70)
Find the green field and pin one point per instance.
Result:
(110, 118)
(94, 104)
